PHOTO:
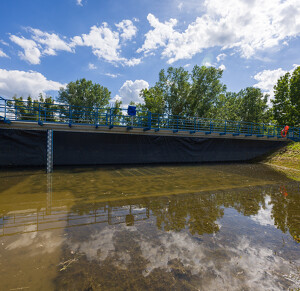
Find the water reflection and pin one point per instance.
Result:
(189, 227)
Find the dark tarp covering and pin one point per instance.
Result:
(23, 147)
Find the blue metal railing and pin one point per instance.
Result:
(25, 111)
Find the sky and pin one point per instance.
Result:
(123, 45)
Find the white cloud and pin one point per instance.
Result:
(130, 91)
(208, 64)
(24, 83)
(180, 5)
(127, 28)
(51, 42)
(111, 75)
(221, 57)
(132, 62)
(105, 44)
(3, 42)
(92, 66)
(264, 215)
(31, 53)
(159, 36)
(3, 54)
(222, 67)
(42, 43)
(79, 2)
(247, 26)
(268, 78)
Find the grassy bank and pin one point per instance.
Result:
(287, 160)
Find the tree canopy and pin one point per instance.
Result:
(84, 93)
(199, 93)
(286, 104)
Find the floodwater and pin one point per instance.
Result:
(190, 227)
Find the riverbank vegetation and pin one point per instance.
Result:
(287, 160)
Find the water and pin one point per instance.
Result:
(215, 227)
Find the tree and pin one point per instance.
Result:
(254, 105)
(154, 100)
(41, 108)
(286, 104)
(176, 88)
(205, 90)
(227, 107)
(83, 93)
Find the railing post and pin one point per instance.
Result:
(210, 126)
(251, 128)
(96, 117)
(177, 122)
(225, 126)
(110, 116)
(70, 115)
(195, 123)
(149, 119)
(39, 112)
(158, 120)
(5, 109)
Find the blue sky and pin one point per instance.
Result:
(123, 44)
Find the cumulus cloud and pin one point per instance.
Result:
(266, 79)
(3, 54)
(105, 43)
(222, 67)
(92, 66)
(25, 83)
(42, 43)
(221, 57)
(247, 26)
(180, 5)
(264, 215)
(127, 29)
(79, 2)
(31, 52)
(111, 75)
(51, 41)
(130, 91)
(159, 36)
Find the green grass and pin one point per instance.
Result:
(287, 160)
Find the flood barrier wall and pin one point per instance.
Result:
(28, 148)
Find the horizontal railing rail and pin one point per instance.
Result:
(32, 111)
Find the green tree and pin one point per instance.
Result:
(227, 106)
(254, 105)
(206, 88)
(154, 100)
(286, 104)
(176, 88)
(83, 93)
(33, 109)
